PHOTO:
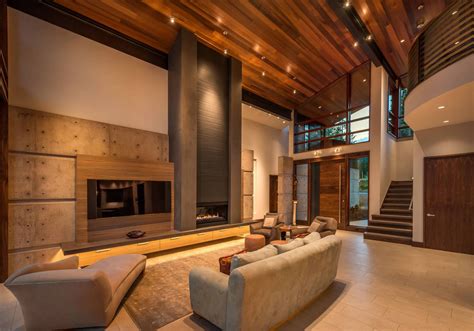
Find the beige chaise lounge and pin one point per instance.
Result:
(58, 295)
(265, 293)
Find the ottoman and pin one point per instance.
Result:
(279, 242)
(254, 242)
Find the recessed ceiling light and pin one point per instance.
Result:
(319, 107)
(446, 121)
(284, 122)
(172, 20)
(225, 51)
(294, 77)
(420, 6)
(356, 44)
(364, 80)
(263, 73)
(402, 41)
(250, 106)
(347, 4)
(369, 37)
(263, 58)
(219, 20)
(420, 23)
(454, 12)
(331, 113)
(457, 42)
(225, 32)
(294, 91)
(441, 107)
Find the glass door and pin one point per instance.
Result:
(359, 191)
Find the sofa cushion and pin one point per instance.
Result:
(298, 242)
(270, 221)
(311, 238)
(118, 267)
(316, 226)
(265, 232)
(68, 263)
(240, 260)
(331, 223)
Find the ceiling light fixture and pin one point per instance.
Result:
(347, 4)
(454, 12)
(420, 23)
(319, 107)
(294, 91)
(225, 51)
(263, 73)
(420, 6)
(457, 42)
(263, 58)
(402, 41)
(225, 32)
(172, 20)
(364, 80)
(284, 122)
(441, 107)
(446, 121)
(294, 77)
(368, 38)
(356, 44)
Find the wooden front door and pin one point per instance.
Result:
(273, 198)
(332, 191)
(449, 203)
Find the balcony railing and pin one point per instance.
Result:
(447, 39)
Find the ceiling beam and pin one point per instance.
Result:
(265, 104)
(353, 22)
(53, 13)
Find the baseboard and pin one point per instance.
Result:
(418, 244)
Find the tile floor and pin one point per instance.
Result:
(379, 286)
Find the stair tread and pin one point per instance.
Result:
(394, 223)
(387, 236)
(387, 228)
(388, 216)
(391, 210)
(393, 204)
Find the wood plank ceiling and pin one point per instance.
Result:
(393, 25)
(290, 50)
(298, 45)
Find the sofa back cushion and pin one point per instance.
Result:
(265, 293)
(316, 226)
(68, 263)
(331, 223)
(290, 246)
(240, 260)
(311, 238)
(270, 221)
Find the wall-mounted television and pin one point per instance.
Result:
(114, 198)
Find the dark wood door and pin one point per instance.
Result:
(273, 199)
(449, 203)
(332, 190)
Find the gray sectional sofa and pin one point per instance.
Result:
(262, 294)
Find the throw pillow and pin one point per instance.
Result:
(290, 246)
(270, 221)
(260, 254)
(316, 226)
(311, 238)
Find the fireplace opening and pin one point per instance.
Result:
(211, 214)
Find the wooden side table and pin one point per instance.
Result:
(284, 229)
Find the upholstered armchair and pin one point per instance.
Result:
(324, 225)
(270, 233)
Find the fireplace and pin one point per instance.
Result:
(210, 214)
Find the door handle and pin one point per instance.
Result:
(430, 215)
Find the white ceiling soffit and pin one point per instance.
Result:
(446, 98)
(255, 114)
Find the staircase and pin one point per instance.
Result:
(394, 223)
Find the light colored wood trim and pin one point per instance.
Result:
(87, 258)
(97, 167)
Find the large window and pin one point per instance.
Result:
(396, 125)
(338, 115)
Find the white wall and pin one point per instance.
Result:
(448, 140)
(268, 144)
(404, 160)
(54, 70)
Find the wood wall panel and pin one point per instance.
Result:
(40, 224)
(41, 177)
(18, 260)
(138, 144)
(92, 167)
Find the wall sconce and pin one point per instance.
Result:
(338, 150)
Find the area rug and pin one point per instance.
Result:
(161, 295)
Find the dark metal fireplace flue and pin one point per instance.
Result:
(211, 214)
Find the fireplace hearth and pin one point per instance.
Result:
(211, 214)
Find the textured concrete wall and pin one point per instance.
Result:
(285, 188)
(247, 184)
